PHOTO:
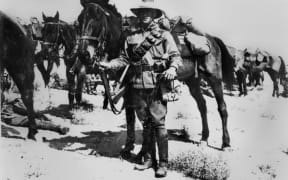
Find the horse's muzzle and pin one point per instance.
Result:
(85, 58)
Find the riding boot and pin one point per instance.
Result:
(78, 97)
(130, 139)
(162, 142)
(145, 144)
(148, 149)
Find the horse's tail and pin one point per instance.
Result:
(282, 70)
(227, 63)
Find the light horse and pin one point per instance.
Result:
(58, 34)
(274, 66)
(215, 67)
(16, 55)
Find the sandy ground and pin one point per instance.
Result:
(257, 125)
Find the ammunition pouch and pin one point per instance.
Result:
(159, 66)
(136, 52)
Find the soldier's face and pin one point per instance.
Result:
(146, 17)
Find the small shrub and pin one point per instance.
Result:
(267, 169)
(196, 164)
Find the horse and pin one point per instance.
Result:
(215, 67)
(274, 66)
(58, 34)
(101, 36)
(34, 32)
(16, 55)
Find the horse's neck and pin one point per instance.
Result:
(115, 36)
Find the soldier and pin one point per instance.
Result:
(153, 57)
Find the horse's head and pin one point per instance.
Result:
(249, 55)
(52, 32)
(262, 56)
(93, 22)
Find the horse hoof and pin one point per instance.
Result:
(203, 144)
(125, 155)
(31, 134)
(226, 148)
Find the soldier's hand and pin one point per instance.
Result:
(170, 73)
(104, 65)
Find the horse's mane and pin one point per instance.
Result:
(107, 6)
(113, 9)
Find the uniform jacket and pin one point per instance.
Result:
(166, 51)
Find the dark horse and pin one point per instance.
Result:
(34, 31)
(101, 35)
(102, 38)
(16, 55)
(274, 66)
(58, 34)
(215, 67)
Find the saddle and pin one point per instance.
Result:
(195, 40)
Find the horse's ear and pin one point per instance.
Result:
(44, 17)
(57, 15)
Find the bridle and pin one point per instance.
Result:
(101, 40)
(55, 43)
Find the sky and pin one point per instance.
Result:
(239, 23)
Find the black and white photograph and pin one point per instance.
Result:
(144, 89)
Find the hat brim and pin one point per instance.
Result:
(137, 11)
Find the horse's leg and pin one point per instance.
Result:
(244, 83)
(49, 69)
(23, 78)
(216, 85)
(240, 82)
(273, 77)
(105, 101)
(41, 68)
(276, 87)
(195, 91)
(130, 122)
(80, 83)
(71, 87)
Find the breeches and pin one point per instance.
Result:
(148, 107)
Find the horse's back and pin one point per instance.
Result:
(274, 63)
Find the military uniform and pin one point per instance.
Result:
(145, 95)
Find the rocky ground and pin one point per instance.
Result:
(257, 125)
